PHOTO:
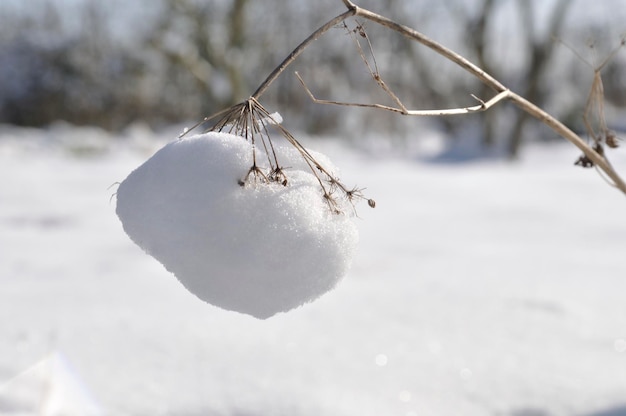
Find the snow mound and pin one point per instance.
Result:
(259, 249)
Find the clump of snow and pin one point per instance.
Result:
(259, 249)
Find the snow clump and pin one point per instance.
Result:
(258, 249)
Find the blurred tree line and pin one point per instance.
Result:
(173, 61)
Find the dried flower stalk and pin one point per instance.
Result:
(243, 115)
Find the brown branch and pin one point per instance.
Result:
(598, 159)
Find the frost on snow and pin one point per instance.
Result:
(259, 249)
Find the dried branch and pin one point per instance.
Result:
(598, 158)
(484, 105)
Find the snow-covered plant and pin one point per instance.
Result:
(262, 248)
(256, 227)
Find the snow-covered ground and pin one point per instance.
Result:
(480, 288)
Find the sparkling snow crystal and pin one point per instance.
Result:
(258, 249)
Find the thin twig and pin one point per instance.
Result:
(483, 106)
(356, 35)
(373, 71)
(436, 47)
(300, 48)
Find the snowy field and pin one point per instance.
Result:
(480, 288)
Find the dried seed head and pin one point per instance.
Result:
(250, 120)
(611, 140)
(278, 175)
(360, 30)
(598, 148)
(584, 161)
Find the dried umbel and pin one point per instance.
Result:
(611, 139)
(593, 117)
(253, 122)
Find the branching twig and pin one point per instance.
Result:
(596, 157)
(401, 108)
(483, 106)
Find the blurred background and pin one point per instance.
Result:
(163, 62)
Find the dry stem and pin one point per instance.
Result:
(598, 158)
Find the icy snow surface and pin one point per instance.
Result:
(258, 249)
(477, 289)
